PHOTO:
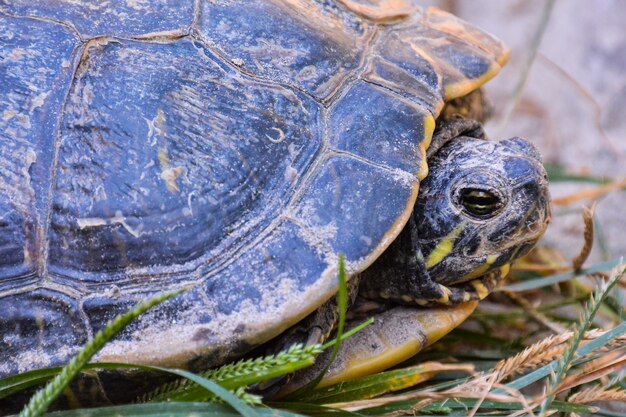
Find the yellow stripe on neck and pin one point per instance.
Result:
(481, 270)
(444, 247)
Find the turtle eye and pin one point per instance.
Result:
(479, 203)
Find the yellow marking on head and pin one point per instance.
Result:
(481, 270)
(480, 288)
(444, 247)
(476, 272)
(504, 270)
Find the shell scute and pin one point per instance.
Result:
(311, 44)
(380, 126)
(167, 159)
(28, 319)
(466, 32)
(347, 192)
(285, 266)
(445, 58)
(110, 18)
(35, 70)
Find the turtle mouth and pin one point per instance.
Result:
(488, 275)
(474, 289)
(459, 266)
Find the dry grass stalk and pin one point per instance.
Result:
(534, 313)
(546, 350)
(579, 260)
(536, 355)
(540, 268)
(489, 386)
(598, 393)
(485, 392)
(565, 363)
(481, 386)
(590, 194)
(430, 396)
(596, 369)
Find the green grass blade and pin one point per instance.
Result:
(221, 392)
(566, 276)
(25, 380)
(546, 370)
(564, 363)
(257, 371)
(370, 386)
(20, 382)
(342, 306)
(185, 392)
(40, 402)
(168, 410)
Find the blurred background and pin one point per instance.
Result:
(571, 102)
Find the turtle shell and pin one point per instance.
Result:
(233, 147)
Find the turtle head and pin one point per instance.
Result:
(483, 204)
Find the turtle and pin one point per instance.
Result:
(237, 148)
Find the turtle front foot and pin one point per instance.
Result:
(316, 328)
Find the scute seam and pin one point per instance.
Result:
(67, 25)
(77, 54)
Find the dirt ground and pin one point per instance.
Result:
(572, 104)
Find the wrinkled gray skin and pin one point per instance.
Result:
(512, 170)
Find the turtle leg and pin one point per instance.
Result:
(398, 333)
(317, 326)
(400, 273)
(313, 329)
